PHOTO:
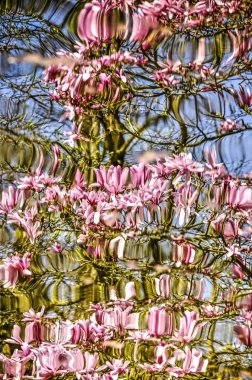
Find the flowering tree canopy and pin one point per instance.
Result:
(126, 225)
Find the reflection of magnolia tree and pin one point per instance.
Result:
(126, 82)
(154, 201)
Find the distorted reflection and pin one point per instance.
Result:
(126, 193)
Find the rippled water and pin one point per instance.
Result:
(155, 122)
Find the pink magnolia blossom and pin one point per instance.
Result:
(55, 359)
(236, 271)
(193, 363)
(184, 164)
(75, 135)
(188, 327)
(34, 329)
(57, 247)
(163, 285)
(244, 334)
(117, 366)
(162, 360)
(117, 246)
(230, 228)
(37, 182)
(229, 125)
(139, 336)
(140, 174)
(91, 361)
(16, 339)
(31, 316)
(210, 311)
(166, 78)
(243, 97)
(10, 199)
(159, 322)
(26, 221)
(14, 367)
(239, 197)
(185, 199)
(13, 268)
(242, 43)
(183, 253)
(120, 318)
(246, 315)
(94, 22)
(233, 250)
(113, 180)
(91, 82)
(214, 169)
(146, 29)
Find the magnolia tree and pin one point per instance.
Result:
(120, 85)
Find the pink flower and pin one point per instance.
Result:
(210, 311)
(239, 197)
(162, 360)
(163, 286)
(55, 359)
(27, 222)
(14, 368)
(185, 199)
(230, 228)
(237, 271)
(113, 180)
(229, 125)
(34, 330)
(117, 366)
(193, 363)
(159, 322)
(214, 169)
(10, 199)
(31, 316)
(140, 174)
(94, 22)
(243, 97)
(246, 315)
(117, 246)
(146, 29)
(244, 334)
(75, 135)
(13, 268)
(183, 253)
(139, 335)
(120, 317)
(242, 43)
(165, 78)
(15, 338)
(57, 247)
(233, 250)
(188, 327)
(184, 164)
(91, 361)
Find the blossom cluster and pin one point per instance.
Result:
(146, 21)
(65, 347)
(122, 200)
(126, 203)
(84, 81)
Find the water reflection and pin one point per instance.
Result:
(184, 92)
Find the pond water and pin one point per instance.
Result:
(143, 269)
